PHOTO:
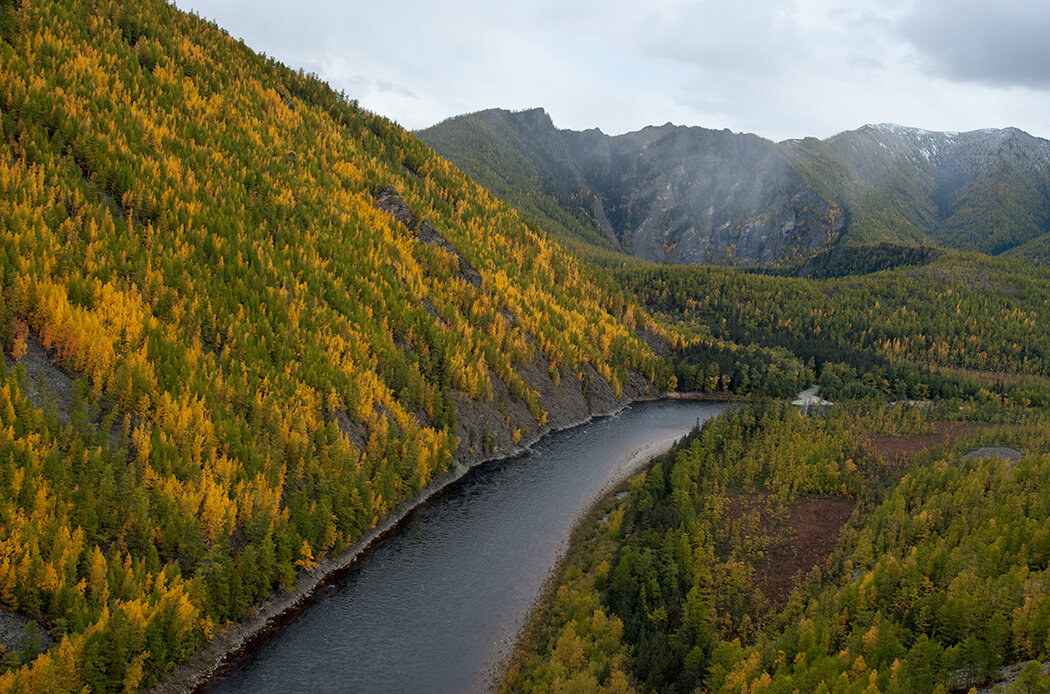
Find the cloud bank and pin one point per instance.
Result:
(780, 69)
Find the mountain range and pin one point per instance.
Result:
(246, 325)
(694, 195)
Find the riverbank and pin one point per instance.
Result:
(531, 636)
(581, 541)
(228, 646)
(233, 641)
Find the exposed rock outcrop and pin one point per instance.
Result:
(389, 200)
(22, 635)
(694, 195)
(504, 425)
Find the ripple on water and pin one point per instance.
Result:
(434, 605)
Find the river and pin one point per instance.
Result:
(436, 605)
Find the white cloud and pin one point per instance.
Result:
(778, 68)
(1005, 43)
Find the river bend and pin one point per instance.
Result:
(435, 605)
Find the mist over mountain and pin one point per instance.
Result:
(694, 195)
(247, 325)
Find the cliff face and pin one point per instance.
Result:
(692, 195)
(503, 426)
(668, 193)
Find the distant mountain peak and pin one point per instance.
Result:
(690, 194)
(538, 112)
(902, 129)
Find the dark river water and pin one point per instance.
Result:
(435, 605)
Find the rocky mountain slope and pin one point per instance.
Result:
(693, 195)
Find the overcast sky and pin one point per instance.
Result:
(779, 68)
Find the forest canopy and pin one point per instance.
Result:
(256, 360)
(242, 319)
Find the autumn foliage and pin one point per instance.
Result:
(264, 358)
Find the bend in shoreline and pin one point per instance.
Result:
(228, 645)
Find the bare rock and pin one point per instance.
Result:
(21, 634)
(390, 201)
(1008, 454)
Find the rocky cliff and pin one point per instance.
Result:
(693, 195)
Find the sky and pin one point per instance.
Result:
(778, 68)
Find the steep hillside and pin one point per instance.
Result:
(692, 195)
(502, 151)
(985, 190)
(242, 321)
(666, 193)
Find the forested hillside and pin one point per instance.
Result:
(852, 550)
(242, 320)
(695, 195)
(953, 326)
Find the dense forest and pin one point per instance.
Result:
(256, 359)
(936, 581)
(953, 326)
(774, 551)
(244, 320)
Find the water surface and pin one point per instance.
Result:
(435, 605)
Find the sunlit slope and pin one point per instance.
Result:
(269, 361)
